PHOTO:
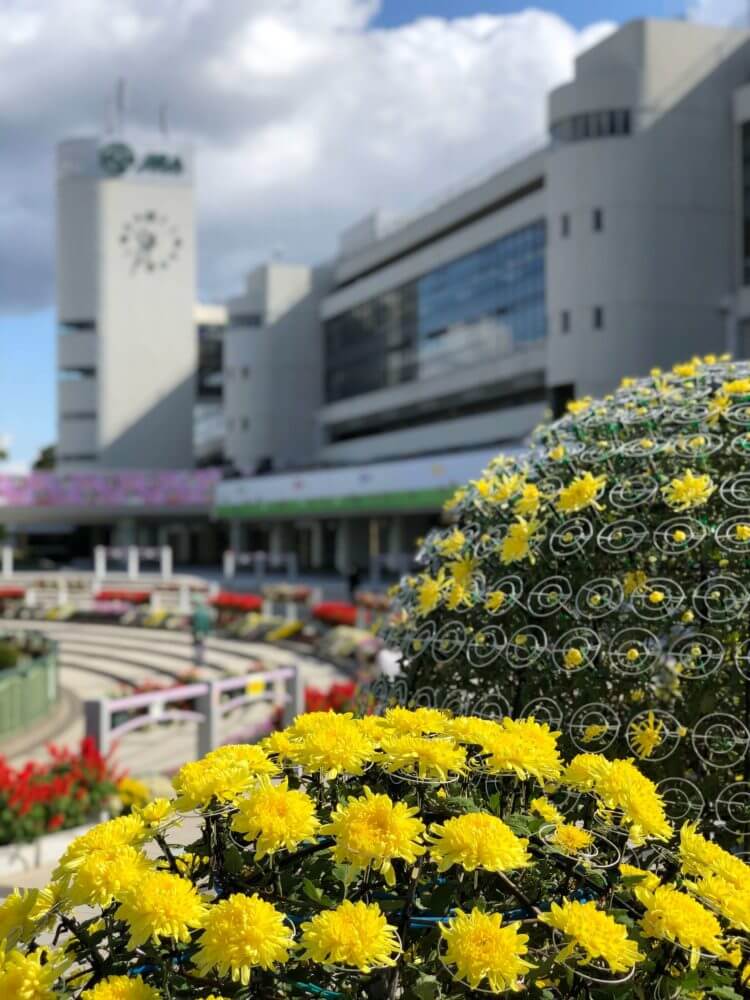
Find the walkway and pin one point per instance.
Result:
(110, 660)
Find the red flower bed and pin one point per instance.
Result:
(129, 596)
(63, 792)
(338, 698)
(227, 600)
(11, 593)
(335, 613)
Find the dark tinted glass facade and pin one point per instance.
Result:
(591, 125)
(482, 305)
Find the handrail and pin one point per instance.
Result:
(283, 691)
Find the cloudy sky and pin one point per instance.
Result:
(304, 115)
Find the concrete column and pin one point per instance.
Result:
(235, 535)
(395, 542)
(343, 559)
(276, 541)
(166, 562)
(100, 562)
(316, 544)
(125, 532)
(133, 562)
(7, 560)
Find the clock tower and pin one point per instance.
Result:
(127, 350)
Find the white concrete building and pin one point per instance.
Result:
(272, 369)
(127, 350)
(620, 243)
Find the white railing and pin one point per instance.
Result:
(280, 689)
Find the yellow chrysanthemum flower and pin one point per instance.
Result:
(430, 592)
(592, 935)
(702, 857)
(124, 831)
(495, 600)
(242, 933)
(622, 786)
(480, 949)
(647, 735)
(275, 817)
(154, 813)
(470, 729)
(161, 905)
(571, 839)
(221, 776)
(584, 770)
(431, 759)
(461, 571)
(355, 935)
(132, 792)
(573, 658)
(452, 544)
(688, 491)
(737, 387)
(546, 809)
(580, 493)
(523, 747)
(30, 977)
(122, 988)
(633, 581)
(331, 743)
(529, 502)
(477, 840)
(101, 875)
(373, 830)
(647, 881)
(576, 406)
(23, 913)
(724, 896)
(674, 916)
(417, 721)
(517, 543)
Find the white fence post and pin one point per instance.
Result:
(133, 562)
(208, 729)
(62, 591)
(100, 562)
(229, 564)
(7, 560)
(97, 721)
(184, 605)
(166, 563)
(295, 701)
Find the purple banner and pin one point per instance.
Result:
(157, 488)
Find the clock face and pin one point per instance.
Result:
(150, 242)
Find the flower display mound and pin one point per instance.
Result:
(56, 794)
(602, 581)
(414, 854)
(229, 600)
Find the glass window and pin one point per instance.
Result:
(565, 321)
(565, 225)
(449, 316)
(591, 125)
(597, 220)
(597, 317)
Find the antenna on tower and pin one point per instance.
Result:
(164, 118)
(120, 103)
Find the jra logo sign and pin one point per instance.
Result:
(116, 158)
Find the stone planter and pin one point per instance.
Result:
(17, 858)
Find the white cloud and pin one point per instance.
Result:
(303, 117)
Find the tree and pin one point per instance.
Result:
(46, 459)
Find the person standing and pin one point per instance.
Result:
(201, 626)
